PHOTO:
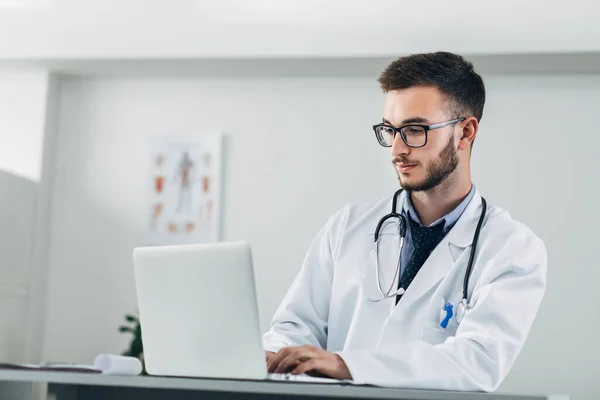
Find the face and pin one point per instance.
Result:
(422, 169)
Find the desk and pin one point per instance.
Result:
(80, 386)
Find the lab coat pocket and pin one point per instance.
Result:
(435, 334)
(442, 324)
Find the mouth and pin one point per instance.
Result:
(401, 167)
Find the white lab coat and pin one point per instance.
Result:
(404, 345)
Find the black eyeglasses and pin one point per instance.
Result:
(414, 135)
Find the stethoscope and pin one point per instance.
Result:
(463, 306)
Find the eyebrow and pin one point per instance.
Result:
(414, 120)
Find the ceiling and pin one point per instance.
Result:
(191, 29)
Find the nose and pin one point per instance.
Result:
(399, 147)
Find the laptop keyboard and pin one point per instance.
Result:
(301, 378)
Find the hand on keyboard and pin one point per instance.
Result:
(308, 360)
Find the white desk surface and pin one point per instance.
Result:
(249, 386)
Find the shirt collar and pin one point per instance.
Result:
(448, 220)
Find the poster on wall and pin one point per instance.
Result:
(184, 189)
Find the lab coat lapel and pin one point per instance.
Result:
(442, 259)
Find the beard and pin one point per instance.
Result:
(437, 171)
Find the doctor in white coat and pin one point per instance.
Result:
(377, 318)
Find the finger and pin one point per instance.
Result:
(303, 353)
(268, 355)
(274, 361)
(314, 364)
(317, 374)
(330, 367)
(307, 352)
(287, 363)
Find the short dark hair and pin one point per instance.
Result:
(450, 73)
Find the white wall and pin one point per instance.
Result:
(74, 29)
(283, 159)
(537, 157)
(298, 149)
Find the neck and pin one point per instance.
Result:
(441, 200)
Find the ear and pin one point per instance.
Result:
(469, 131)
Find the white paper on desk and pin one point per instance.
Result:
(112, 364)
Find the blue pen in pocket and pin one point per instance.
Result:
(448, 308)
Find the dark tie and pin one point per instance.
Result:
(424, 240)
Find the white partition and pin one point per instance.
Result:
(18, 201)
(23, 112)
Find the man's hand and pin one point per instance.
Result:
(310, 360)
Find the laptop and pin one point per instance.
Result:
(199, 313)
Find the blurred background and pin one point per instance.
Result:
(292, 86)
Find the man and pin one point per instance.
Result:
(353, 314)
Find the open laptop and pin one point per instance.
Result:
(199, 313)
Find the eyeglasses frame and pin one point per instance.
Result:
(426, 128)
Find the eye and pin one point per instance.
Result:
(386, 130)
(413, 130)
(386, 135)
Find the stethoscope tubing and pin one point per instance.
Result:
(402, 231)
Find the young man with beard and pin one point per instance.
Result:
(442, 293)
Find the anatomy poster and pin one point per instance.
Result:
(184, 186)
